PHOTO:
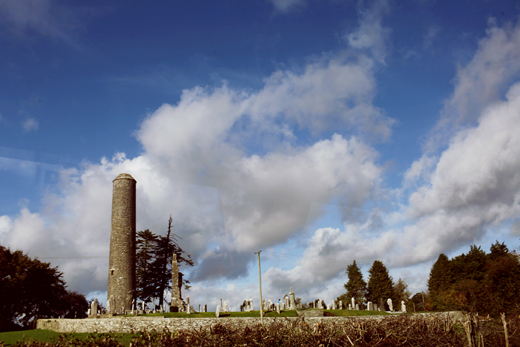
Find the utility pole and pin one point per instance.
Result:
(260, 281)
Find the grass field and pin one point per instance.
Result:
(266, 314)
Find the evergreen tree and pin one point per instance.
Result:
(154, 258)
(356, 287)
(146, 243)
(478, 282)
(380, 284)
(401, 291)
(440, 281)
(502, 281)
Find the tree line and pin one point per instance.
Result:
(481, 282)
(378, 290)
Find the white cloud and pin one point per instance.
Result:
(194, 166)
(197, 165)
(481, 82)
(30, 124)
(331, 93)
(371, 35)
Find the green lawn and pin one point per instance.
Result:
(266, 314)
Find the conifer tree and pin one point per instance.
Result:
(380, 284)
(356, 287)
(440, 281)
(401, 291)
(154, 258)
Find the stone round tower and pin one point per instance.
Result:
(121, 267)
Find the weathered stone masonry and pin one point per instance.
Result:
(129, 324)
(121, 268)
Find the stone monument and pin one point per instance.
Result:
(292, 301)
(121, 264)
(176, 303)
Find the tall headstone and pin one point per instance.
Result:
(94, 308)
(176, 303)
(292, 301)
(390, 305)
(403, 306)
(121, 264)
(353, 302)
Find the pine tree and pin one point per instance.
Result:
(440, 281)
(380, 284)
(154, 258)
(401, 291)
(146, 243)
(356, 287)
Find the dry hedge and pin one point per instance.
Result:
(391, 331)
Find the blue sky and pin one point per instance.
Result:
(317, 131)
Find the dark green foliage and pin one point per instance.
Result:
(440, 280)
(380, 284)
(154, 257)
(420, 302)
(31, 289)
(477, 282)
(76, 305)
(146, 241)
(401, 292)
(356, 287)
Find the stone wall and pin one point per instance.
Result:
(129, 324)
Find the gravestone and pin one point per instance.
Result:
(188, 305)
(350, 307)
(403, 306)
(370, 306)
(217, 311)
(224, 309)
(375, 307)
(176, 304)
(390, 305)
(292, 301)
(353, 302)
(357, 307)
(205, 307)
(278, 308)
(94, 308)
(341, 305)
